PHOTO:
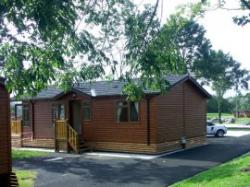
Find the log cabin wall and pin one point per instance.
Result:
(104, 125)
(43, 127)
(104, 132)
(40, 131)
(5, 134)
(195, 112)
(181, 113)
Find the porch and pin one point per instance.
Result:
(66, 138)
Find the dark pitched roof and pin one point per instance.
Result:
(110, 88)
(48, 93)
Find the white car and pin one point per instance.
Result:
(216, 130)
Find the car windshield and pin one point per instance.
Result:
(210, 124)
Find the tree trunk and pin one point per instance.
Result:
(219, 109)
(236, 106)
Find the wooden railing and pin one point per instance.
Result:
(73, 138)
(61, 130)
(16, 127)
(64, 132)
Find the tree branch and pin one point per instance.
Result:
(247, 4)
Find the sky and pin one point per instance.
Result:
(223, 33)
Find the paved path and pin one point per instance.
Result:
(62, 170)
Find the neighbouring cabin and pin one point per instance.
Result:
(5, 137)
(242, 114)
(97, 116)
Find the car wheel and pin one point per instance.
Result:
(220, 133)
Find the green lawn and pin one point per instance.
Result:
(215, 115)
(228, 115)
(242, 120)
(233, 173)
(21, 154)
(26, 178)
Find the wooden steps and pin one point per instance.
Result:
(68, 139)
(13, 180)
(82, 146)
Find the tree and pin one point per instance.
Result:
(244, 5)
(226, 106)
(176, 47)
(240, 78)
(48, 41)
(221, 79)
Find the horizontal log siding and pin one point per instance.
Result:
(104, 126)
(41, 143)
(170, 115)
(181, 113)
(5, 134)
(43, 127)
(195, 112)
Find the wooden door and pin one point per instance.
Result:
(75, 115)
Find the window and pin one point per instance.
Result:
(58, 112)
(127, 111)
(210, 124)
(61, 112)
(18, 111)
(25, 115)
(86, 111)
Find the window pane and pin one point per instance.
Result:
(122, 114)
(134, 111)
(25, 116)
(61, 114)
(19, 111)
(86, 111)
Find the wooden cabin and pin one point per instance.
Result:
(5, 138)
(242, 114)
(97, 116)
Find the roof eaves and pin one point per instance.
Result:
(200, 87)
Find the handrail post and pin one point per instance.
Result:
(77, 144)
(56, 136)
(67, 135)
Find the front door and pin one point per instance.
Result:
(75, 115)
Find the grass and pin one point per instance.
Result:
(242, 120)
(26, 178)
(229, 174)
(228, 115)
(21, 154)
(215, 115)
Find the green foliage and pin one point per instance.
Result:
(228, 174)
(243, 20)
(226, 106)
(43, 40)
(174, 49)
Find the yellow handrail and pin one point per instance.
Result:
(61, 130)
(73, 138)
(16, 127)
(65, 132)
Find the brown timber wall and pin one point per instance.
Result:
(104, 126)
(43, 127)
(181, 113)
(40, 132)
(5, 134)
(195, 112)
